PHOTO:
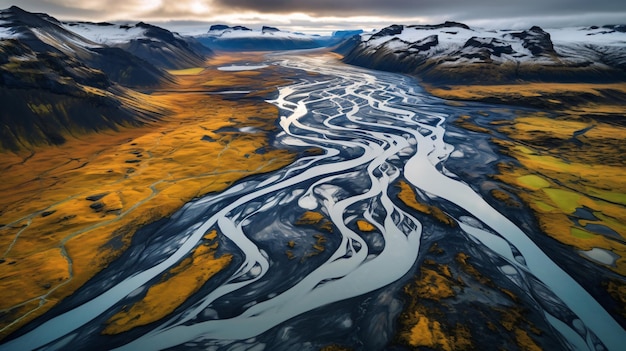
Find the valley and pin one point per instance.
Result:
(416, 187)
(69, 210)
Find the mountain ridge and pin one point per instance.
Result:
(56, 83)
(453, 52)
(240, 38)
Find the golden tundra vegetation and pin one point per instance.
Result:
(570, 164)
(180, 283)
(63, 206)
(322, 224)
(421, 324)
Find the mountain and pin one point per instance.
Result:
(156, 45)
(454, 52)
(239, 38)
(55, 83)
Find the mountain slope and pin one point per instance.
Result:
(55, 84)
(42, 33)
(156, 45)
(454, 52)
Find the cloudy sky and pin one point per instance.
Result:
(327, 15)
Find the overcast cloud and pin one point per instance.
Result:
(327, 15)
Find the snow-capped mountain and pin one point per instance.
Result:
(44, 35)
(240, 38)
(156, 45)
(455, 52)
(55, 82)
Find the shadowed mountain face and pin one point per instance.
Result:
(42, 33)
(153, 44)
(455, 53)
(55, 83)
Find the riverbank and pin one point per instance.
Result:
(69, 210)
(569, 155)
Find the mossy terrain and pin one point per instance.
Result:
(542, 95)
(322, 225)
(569, 164)
(440, 313)
(408, 197)
(181, 282)
(69, 210)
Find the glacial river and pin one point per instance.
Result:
(374, 128)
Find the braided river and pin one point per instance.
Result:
(374, 129)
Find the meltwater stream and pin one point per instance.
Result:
(374, 128)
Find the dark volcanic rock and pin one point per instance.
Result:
(426, 43)
(494, 46)
(447, 24)
(96, 197)
(536, 40)
(97, 206)
(616, 27)
(126, 68)
(394, 29)
(267, 29)
(218, 27)
(348, 45)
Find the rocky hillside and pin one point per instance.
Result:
(454, 52)
(56, 83)
(156, 45)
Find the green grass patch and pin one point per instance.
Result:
(533, 182)
(566, 200)
(580, 233)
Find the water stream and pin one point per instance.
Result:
(374, 128)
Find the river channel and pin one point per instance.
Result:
(374, 129)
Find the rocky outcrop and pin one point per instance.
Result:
(536, 40)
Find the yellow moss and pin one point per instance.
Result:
(587, 173)
(434, 285)
(421, 334)
(533, 181)
(28, 277)
(525, 342)
(580, 233)
(317, 219)
(504, 197)
(464, 122)
(513, 92)
(164, 297)
(365, 226)
(185, 72)
(566, 200)
(310, 217)
(617, 290)
(408, 197)
(170, 164)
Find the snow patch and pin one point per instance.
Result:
(111, 34)
(7, 32)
